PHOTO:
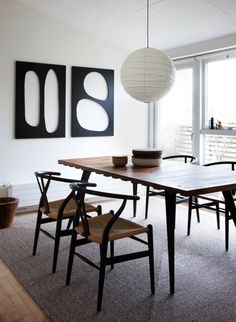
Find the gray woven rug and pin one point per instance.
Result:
(205, 274)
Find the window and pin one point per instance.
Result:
(219, 148)
(220, 92)
(219, 77)
(204, 90)
(176, 115)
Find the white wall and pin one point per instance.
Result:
(27, 35)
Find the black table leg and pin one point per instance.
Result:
(230, 205)
(135, 191)
(170, 199)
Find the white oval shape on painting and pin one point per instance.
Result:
(95, 85)
(51, 102)
(31, 88)
(92, 116)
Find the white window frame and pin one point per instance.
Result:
(205, 61)
(203, 130)
(199, 64)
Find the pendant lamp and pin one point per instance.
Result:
(147, 74)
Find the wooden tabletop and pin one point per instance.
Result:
(172, 176)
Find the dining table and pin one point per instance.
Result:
(172, 177)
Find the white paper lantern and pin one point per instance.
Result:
(147, 74)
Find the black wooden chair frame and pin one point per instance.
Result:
(44, 179)
(149, 193)
(79, 194)
(214, 205)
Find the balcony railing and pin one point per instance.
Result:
(216, 147)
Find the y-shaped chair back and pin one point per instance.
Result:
(56, 210)
(213, 201)
(105, 229)
(179, 199)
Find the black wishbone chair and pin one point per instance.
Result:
(179, 199)
(56, 210)
(105, 229)
(214, 201)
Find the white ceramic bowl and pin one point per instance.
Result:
(146, 162)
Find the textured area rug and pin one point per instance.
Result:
(205, 273)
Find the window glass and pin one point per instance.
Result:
(221, 94)
(219, 148)
(175, 115)
(180, 112)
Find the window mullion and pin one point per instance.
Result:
(196, 109)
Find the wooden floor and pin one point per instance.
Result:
(15, 303)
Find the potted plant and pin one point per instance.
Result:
(8, 207)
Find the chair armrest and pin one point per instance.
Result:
(50, 173)
(54, 176)
(80, 187)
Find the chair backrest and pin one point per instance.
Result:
(224, 164)
(185, 157)
(44, 179)
(80, 192)
(231, 164)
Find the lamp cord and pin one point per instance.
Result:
(147, 23)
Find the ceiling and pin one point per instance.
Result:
(173, 23)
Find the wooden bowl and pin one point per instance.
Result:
(119, 161)
(147, 153)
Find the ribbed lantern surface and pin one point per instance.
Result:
(147, 74)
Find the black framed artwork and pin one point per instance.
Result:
(22, 128)
(78, 93)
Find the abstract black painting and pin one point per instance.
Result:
(79, 93)
(22, 128)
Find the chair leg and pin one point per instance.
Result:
(56, 245)
(147, 201)
(99, 210)
(135, 191)
(103, 256)
(37, 229)
(197, 209)
(189, 214)
(218, 216)
(226, 230)
(151, 258)
(112, 252)
(71, 257)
